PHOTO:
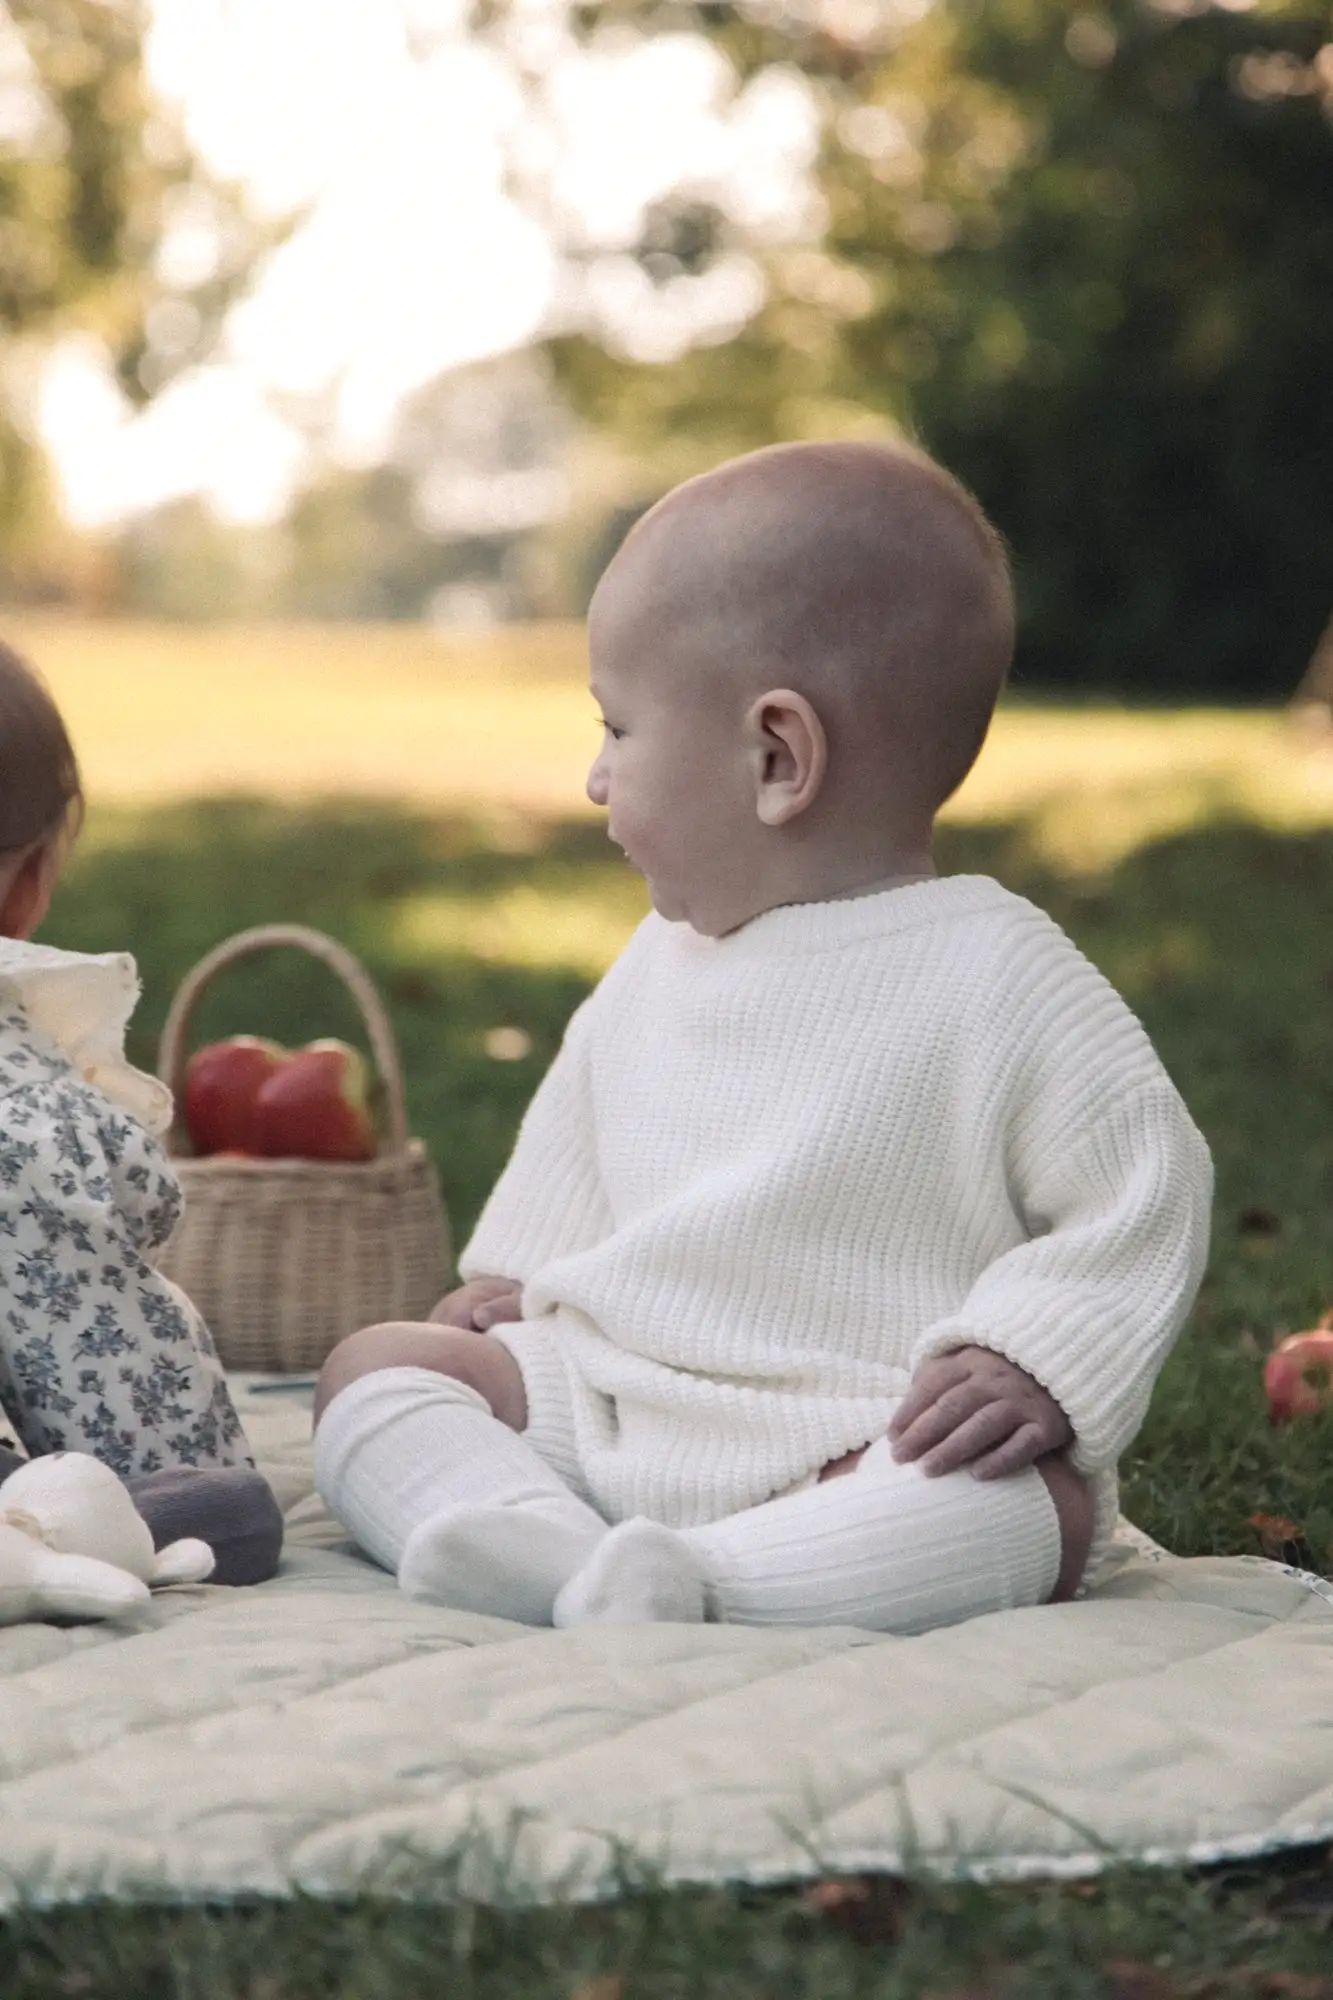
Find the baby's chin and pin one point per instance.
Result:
(665, 904)
(672, 905)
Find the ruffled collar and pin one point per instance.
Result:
(82, 1002)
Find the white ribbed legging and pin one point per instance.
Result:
(466, 1514)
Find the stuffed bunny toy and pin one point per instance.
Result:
(72, 1544)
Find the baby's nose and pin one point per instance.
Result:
(597, 783)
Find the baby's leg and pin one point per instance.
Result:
(884, 1548)
(1074, 1506)
(417, 1454)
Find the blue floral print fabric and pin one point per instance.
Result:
(98, 1351)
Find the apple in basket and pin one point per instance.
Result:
(222, 1082)
(316, 1106)
(1298, 1375)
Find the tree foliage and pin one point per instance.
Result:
(1085, 252)
(98, 194)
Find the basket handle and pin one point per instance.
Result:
(171, 1049)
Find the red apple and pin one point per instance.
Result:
(317, 1106)
(221, 1084)
(1298, 1374)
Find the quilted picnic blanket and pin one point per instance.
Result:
(321, 1733)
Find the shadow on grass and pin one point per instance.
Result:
(1221, 939)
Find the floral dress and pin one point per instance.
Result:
(98, 1351)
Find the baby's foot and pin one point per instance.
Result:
(638, 1574)
(506, 1562)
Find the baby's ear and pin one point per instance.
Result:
(789, 753)
(28, 897)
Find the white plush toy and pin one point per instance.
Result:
(72, 1544)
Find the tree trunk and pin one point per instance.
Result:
(1312, 703)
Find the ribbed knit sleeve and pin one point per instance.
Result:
(1113, 1182)
(549, 1201)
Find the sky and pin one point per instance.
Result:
(410, 255)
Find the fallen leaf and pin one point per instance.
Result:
(1133, 1979)
(507, 1044)
(872, 1909)
(1259, 1222)
(610, 1986)
(1278, 1536)
(413, 988)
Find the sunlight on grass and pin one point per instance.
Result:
(390, 712)
(582, 926)
(1094, 784)
(503, 723)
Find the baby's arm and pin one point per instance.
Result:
(1088, 1307)
(548, 1202)
(98, 1351)
(1061, 1338)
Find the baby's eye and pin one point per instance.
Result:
(612, 732)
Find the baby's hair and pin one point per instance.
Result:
(41, 793)
(864, 575)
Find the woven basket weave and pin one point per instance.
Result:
(284, 1257)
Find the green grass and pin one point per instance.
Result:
(1214, 918)
(1245, 1936)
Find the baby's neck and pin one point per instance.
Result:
(834, 879)
(898, 881)
(923, 870)
(870, 874)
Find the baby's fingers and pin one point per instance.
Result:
(970, 1442)
(451, 1311)
(497, 1311)
(1017, 1452)
(943, 1416)
(927, 1386)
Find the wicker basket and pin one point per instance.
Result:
(284, 1257)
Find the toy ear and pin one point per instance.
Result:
(186, 1561)
(82, 1587)
(81, 1509)
(36, 1582)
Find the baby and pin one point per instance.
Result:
(844, 1239)
(98, 1352)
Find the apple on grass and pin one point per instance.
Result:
(222, 1082)
(316, 1106)
(1298, 1374)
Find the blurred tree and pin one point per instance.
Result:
(452, 525)
(107, 227)
(1085, 251)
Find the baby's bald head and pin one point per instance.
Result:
(861, 575)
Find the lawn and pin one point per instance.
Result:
(423, 801)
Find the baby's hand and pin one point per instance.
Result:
(973, 1408)
(480, 1305)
